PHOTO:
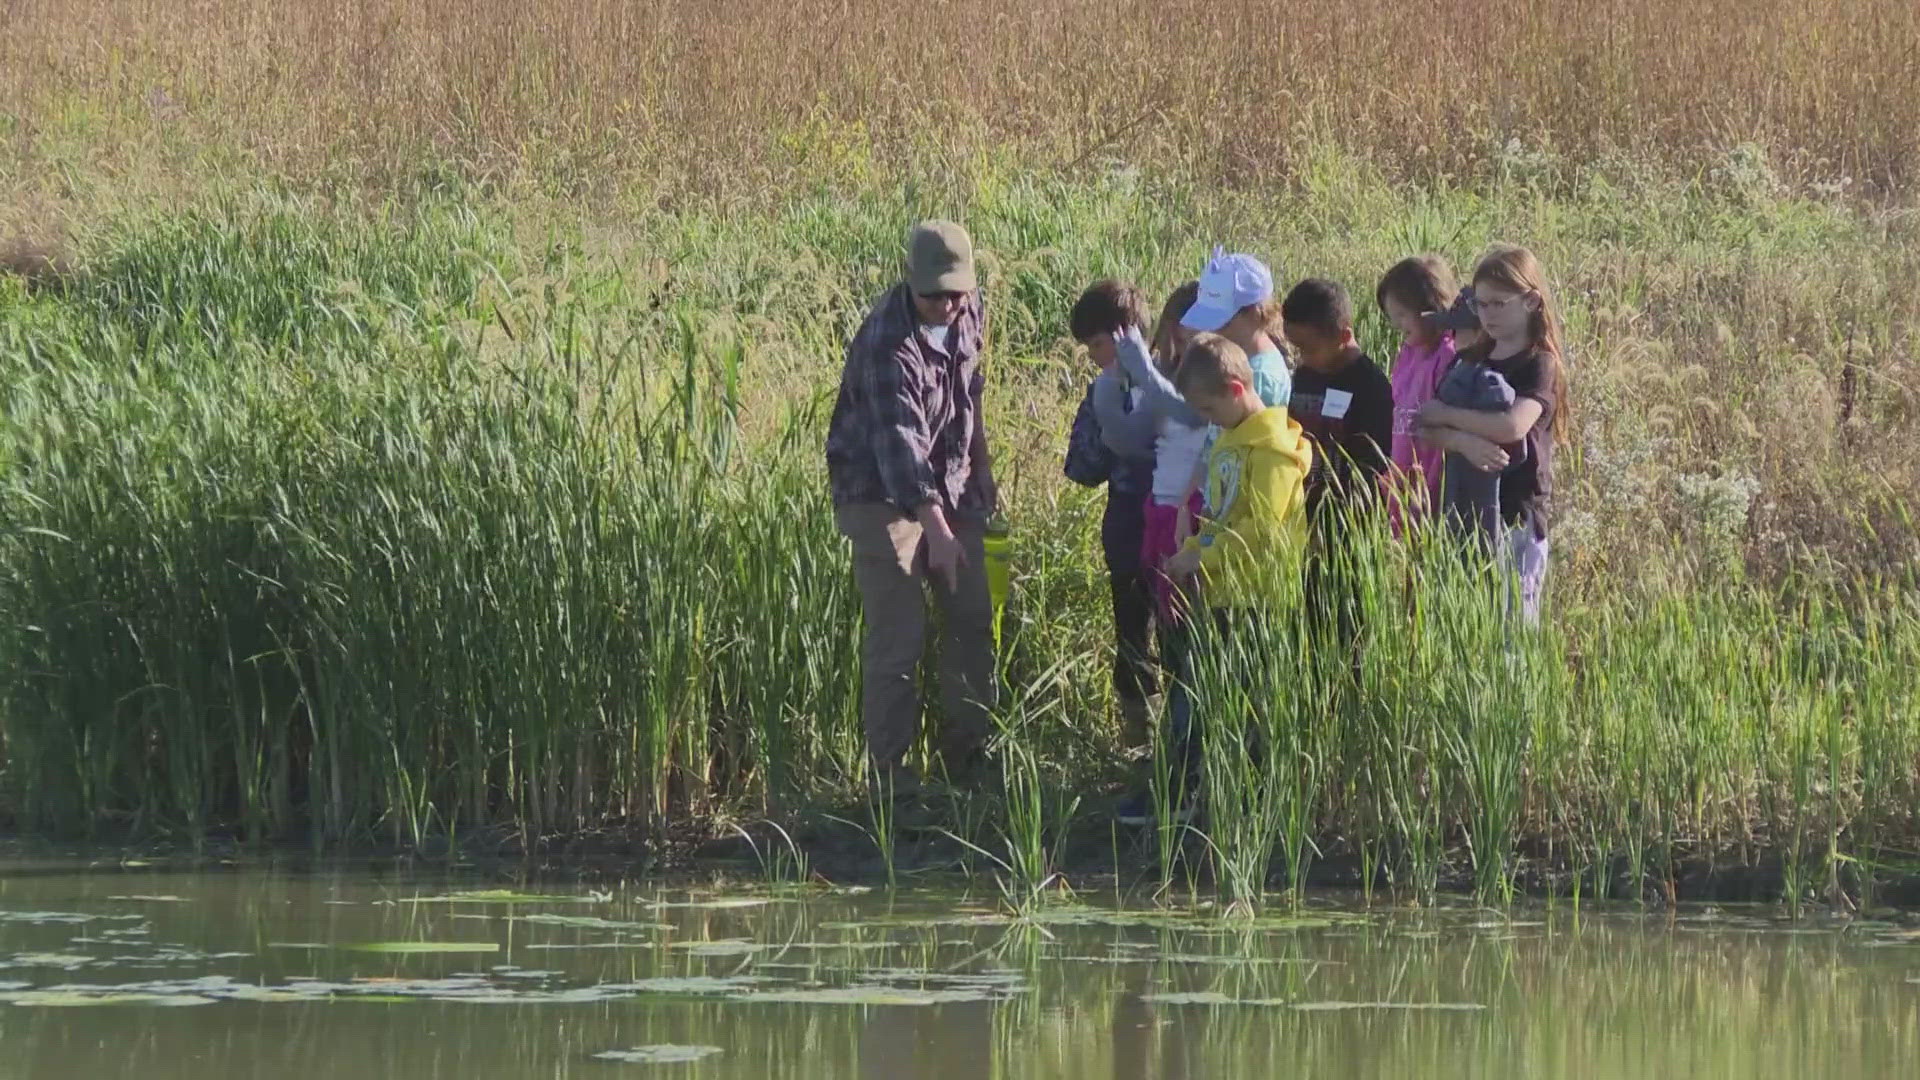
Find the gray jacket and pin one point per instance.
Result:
(1470, 497)
(1162, 398)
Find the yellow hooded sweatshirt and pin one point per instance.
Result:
(1251, 547)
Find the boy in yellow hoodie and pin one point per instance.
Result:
(1248, 552)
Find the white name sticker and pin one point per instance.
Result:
(1335, 405)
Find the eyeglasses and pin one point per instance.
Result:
(944, 297)
(1495, 307)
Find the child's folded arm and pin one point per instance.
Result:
(1128, 434)
(1505, 426)
(1484, 454)
(1163, 398)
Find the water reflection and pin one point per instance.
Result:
(287, 976)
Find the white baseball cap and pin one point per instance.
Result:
(1229, 283)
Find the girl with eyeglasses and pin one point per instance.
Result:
(1522, 343)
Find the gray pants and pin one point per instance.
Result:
(1524, 557)
(890, 568)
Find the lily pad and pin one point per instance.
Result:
(1420, 1006)
(409, 947)
(499, 896)
(51, 918)
(1191, 921)
(1001, 980)
(67, 998)
(1208, 997)
(174, 955)
(861, 995)
(898, 922)
(1232, 961)
(588, 922)
(271, 995)
(728, 947)
(691, 984)
(59, 960)
(663, 1054)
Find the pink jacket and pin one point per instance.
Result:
(1416, 375)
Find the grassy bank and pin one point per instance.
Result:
(415, 517)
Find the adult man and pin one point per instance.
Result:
(912, 488)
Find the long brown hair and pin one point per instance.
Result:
(1175, 308)
(1515, 269)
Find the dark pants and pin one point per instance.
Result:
(1133, 674)
(1333, 594)
(1120, 529)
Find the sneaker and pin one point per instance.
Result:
(1141, 810)
(914, 816)
(900, 802)
(894, 782)
(976, 772)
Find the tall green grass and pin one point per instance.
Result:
(312, 576)
(319, 525)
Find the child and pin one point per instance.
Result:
(1523, 345)
(1179, 440)
(1236, 301)
(1234, 298)
(1341, 398)
(1112, 449)
(1255, 489)
(1416, 295)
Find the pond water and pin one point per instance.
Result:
(251, 972)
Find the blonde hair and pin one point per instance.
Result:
(1176, 306)
(1266, 314)
(1210, 363)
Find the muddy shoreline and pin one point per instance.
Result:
(833, 848)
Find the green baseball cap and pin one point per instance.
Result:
(939, 258)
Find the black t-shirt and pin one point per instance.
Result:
(1349, 416)
(1526, 485)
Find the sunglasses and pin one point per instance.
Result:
(944, 297)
